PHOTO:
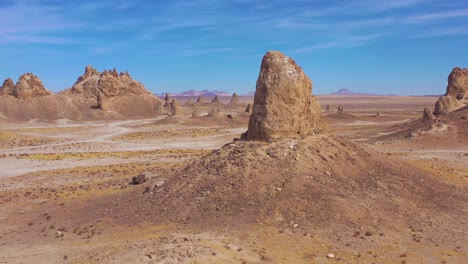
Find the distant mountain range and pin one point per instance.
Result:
(204, 93)
(349, 92)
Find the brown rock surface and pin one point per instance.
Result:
(215, 100)
(7, 87)
(214, 113)
(234, 99)
(248, 109)
(427, 115)
(167, 104)
(328, 108)
(116, 93)
(283, 104)
(456, 95)
(340, 110)
(176, 110)
(28, 86)
(200, 99)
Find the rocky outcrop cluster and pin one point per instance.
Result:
(283, 104)
(106, 85)
(456, 95)
(28, 86)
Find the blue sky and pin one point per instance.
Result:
(392, 46)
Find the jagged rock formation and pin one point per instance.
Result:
(328, 108)
(189, 102)
(427, 115)
(283, 104)
(28, 86)
(118, 94)
(7, 87)
(176, 110)
(200, 100)
(456, 95)
(215, 100)
(167, 104)
(109, 83)
(340, 110)
(248, 109)
(234, 99)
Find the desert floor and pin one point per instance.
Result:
(49, 170)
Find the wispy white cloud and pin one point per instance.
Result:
(429, 17)
(345, 42)
(442, 32)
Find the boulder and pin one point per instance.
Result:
(140, 178)
(328, 108)
(283, 104)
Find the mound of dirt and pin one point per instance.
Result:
(283, 103)
(456, 95)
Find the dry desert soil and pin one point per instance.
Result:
(67, 196)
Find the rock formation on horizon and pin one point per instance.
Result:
(189, 102)
(28, 86)
(117, 93)
(283, 104)
(108, 83)
(456, 95)
(234, 99)
(340, 110)
(176, 109)
(200, 99)
(167, 104)
(215, 100)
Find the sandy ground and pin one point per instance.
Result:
(51, 170)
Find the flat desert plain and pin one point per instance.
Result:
(67, 194)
